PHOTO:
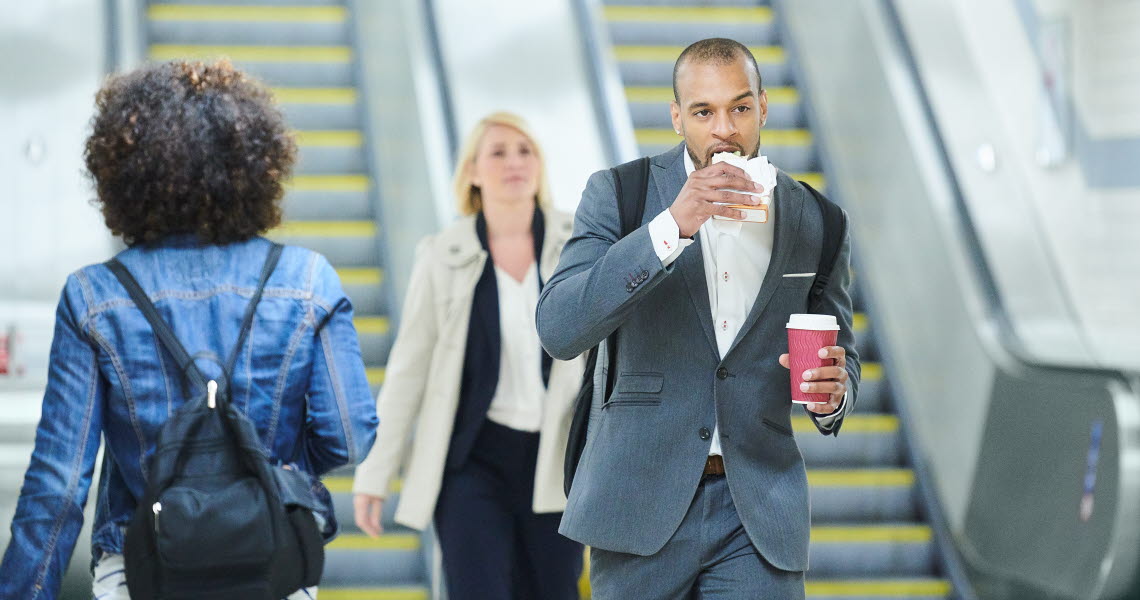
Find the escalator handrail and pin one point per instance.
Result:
(1006, 334)
(451, 129)
(595, 64)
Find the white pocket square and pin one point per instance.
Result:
(799, 274)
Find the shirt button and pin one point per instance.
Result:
(722, 373)
(724, 325)
(704, 433)
(726, 275)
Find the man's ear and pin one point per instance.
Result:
(763, 107)
(675, 113)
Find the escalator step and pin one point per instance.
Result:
(645, 25)
(294, 66)
(374, 593)
(653, 65)
(315, 197)
(875, 589)
(865, 440)
(354, 559)
(343, 243)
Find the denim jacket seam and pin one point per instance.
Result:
(197, 295)
(165, 379)
(282, 375)
(73, 477)
(128, 395)
(338, 393)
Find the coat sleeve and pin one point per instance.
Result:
(405, 380)
(600, 278)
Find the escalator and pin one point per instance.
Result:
(306, 51)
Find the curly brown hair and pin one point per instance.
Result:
(188, 148)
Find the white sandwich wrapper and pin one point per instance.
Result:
(760, 171)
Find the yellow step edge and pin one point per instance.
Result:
(815, 180)
(373, 325)
(763, 54)
(324, 229)
(664, 94)
(891, 588)
(861, 477)
(859, 322)
(360, 276)
(871, 534)
(387, 541)
(388, 593)
(871, 371)
(768, 137)
(247, 14)
(375, 375)
(329, 139)
(299, 54)
(329, 183)
(689, 14)
(855, 423)
(342, 484)
(315, 95)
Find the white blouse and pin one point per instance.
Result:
(518, 398)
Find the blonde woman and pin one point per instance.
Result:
(486, 411)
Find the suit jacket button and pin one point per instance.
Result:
(644, 274)
(704, 433)
(722, 373)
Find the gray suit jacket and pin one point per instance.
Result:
(647, 447)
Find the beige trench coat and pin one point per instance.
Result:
(418, 402)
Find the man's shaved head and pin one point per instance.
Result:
(717, 51)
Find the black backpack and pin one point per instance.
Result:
(217, 519)
(632, 179)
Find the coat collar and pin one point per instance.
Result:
(460, 246)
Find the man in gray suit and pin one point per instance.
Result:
(691, 484)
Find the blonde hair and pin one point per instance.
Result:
(467, 194)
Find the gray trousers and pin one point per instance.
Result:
(709, 557)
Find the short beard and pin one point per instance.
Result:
(699, 163)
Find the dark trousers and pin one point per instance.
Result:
(494, 546)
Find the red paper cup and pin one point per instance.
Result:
(806, 335)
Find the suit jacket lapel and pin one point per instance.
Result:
(789, 201)
(669, 173)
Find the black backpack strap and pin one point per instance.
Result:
(247, 320)
(166, 335)
(161, 330)
(834, 230)
(632, 180)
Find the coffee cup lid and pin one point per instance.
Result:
(815, 322)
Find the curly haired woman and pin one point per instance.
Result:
(188, 160)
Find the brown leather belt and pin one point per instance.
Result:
(714, 465)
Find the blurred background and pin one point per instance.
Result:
(987, 151)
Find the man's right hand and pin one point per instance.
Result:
(697, 201)
(367, 511)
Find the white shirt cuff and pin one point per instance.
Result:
(828, 421)
(665, 233)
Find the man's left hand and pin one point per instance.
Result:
(825, 380)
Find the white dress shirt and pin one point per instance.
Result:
(518, 397)
(736, 257)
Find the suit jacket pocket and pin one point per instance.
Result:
(770, 424)
(639, 383)
(637, 389)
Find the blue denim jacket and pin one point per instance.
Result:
(299, 377)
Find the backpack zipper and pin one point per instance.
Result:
(156, 508)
